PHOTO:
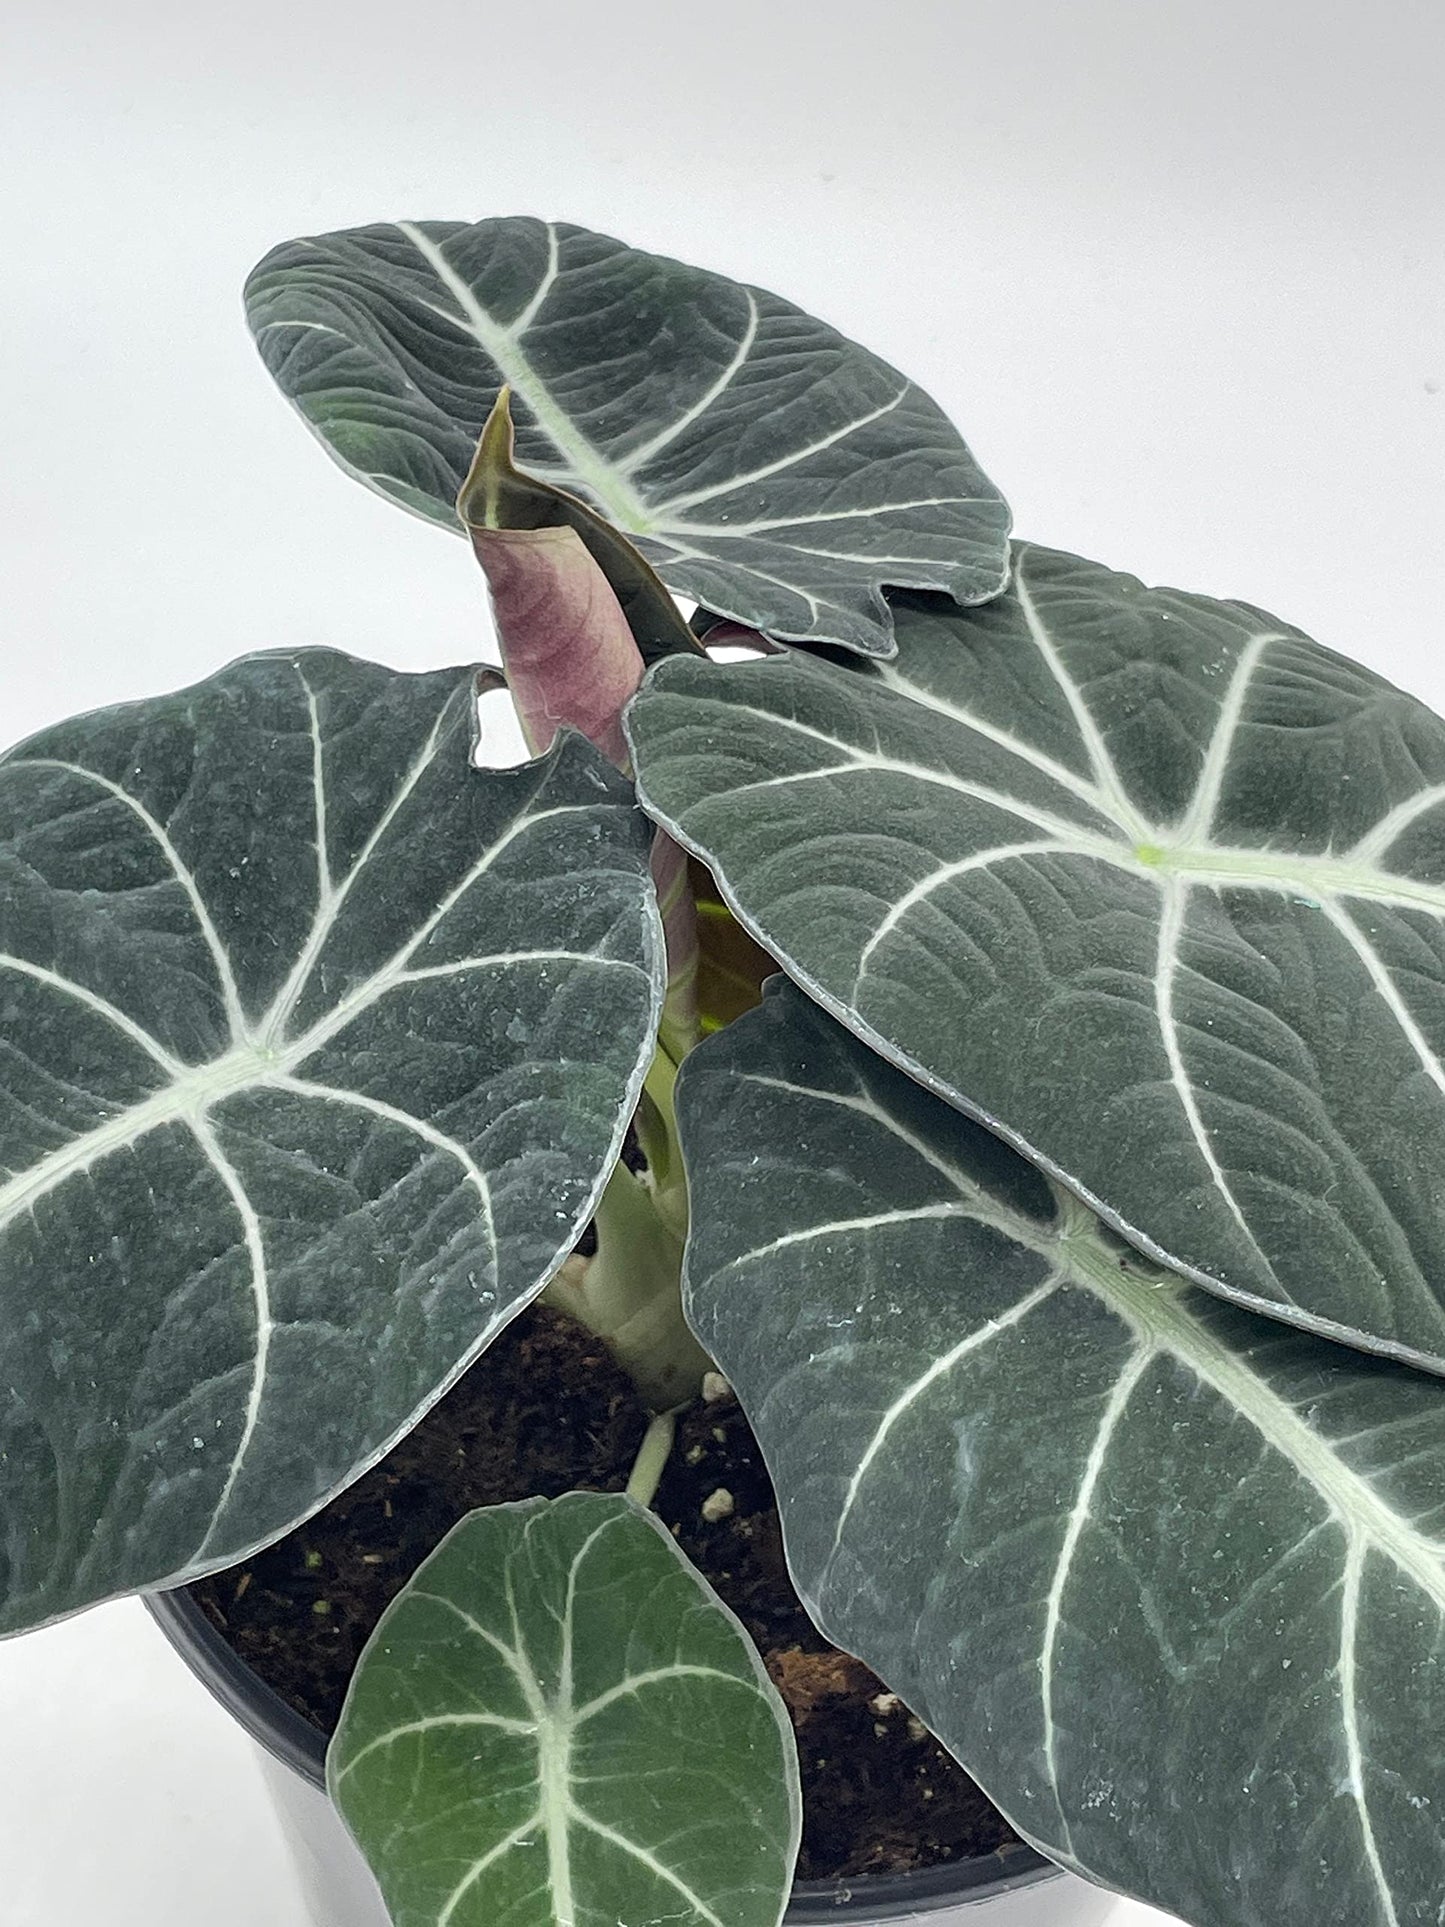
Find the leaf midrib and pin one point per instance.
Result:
(191, 1095)
(553, 1722)
(1154, 1307)
(248, 1065)
(503, 346)
(1154, 858)
(1303, 876)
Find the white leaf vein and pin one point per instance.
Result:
(406, 1120)
(318, 788)
(1376, 842)
(255, 1243)
(925, 887)
(863, 512)
(1350, 1719)
(1171, 927)
(101, 1006)
(231, 995)
(330, 900)
(1117, 1403)
(745, 479)
(645, 1857)
(510, 1657)
(518, 1837)
(982, 1335)
(1197, 825)
(1106, 774)
(639, 457)
(502, 346)
(1388, 991)
(634, 1683)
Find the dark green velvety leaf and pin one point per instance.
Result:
(318, 1045)
(763, 463)
(1168, 1577)
(1152, 884)
(558, 1724)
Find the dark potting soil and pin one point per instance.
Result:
(544, 1411)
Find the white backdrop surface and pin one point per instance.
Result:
(1178, 271)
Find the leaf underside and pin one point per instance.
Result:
(319, 1043)
(1152, 884)
(558, 1724)
(1166, 1576)
(763, 463)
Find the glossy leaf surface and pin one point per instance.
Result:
(558, 1724)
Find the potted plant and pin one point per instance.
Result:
(1065, 1215)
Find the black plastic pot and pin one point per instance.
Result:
(331, 1864)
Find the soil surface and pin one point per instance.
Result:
(544, 1411)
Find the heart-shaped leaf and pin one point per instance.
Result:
(763, 463)
(319, 1045)
(1152, 884)
(558, 1722)
(1168, 1578)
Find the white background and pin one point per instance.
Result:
(1178, 271)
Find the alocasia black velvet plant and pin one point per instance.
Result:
(1069, 1216)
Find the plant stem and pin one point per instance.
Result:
(656, 1123)
(652, 1457)
(630, 1293)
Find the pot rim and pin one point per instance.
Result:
(297, 1744)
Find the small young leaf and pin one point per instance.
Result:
(570, 657)
(1168, 1578)
(320, 1044)
(558, 1722)
(1151, 884)
(575, 657)
(765, 465)
(498, 500)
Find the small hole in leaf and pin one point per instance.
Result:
(731, 642)
(500, 742)
(736, 652)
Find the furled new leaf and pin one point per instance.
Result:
(764, 464)
(1166, 1576)
(558, 1724)
(1152, 884)
(579, 615)
(319, 1045)
(506, 512)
